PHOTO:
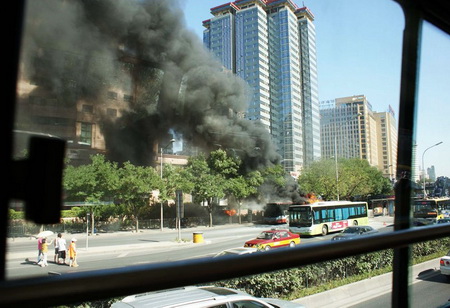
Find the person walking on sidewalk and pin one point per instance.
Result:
(73, 253)
(62, 248)
(44, 252)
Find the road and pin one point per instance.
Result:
(126, 248)
(430, 289)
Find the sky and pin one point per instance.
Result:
(359, 53)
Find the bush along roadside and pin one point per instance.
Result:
(315, 278)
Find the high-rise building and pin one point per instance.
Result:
(271, 45)
(387, 142)
(351, 129)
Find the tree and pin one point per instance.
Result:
(206, 185)
(175, 178)
(135, 188)
(275, 180)
(241, 187)
(356, 177)
(93, 184)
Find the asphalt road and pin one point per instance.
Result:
(120, 249)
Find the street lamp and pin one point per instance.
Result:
(337, 128)
(161, 169)
(423, 165)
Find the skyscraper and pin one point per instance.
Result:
(351, 129)
(271, 45)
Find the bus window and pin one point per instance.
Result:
(338, 214)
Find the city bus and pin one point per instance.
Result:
(429, 211)
(276, 213)
(328, 216)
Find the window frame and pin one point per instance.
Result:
(134, 279)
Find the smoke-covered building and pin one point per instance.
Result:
(127, 88)
(271, 45)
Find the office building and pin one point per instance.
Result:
(387, 139)
(351, 129)
(271, 45)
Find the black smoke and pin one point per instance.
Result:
(176, 84)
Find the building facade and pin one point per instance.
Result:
(351, 129)
(271, 45)
(387, 142)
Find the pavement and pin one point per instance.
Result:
(377, 222)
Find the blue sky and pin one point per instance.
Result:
(359, 53)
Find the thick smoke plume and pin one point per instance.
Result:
(176, 84)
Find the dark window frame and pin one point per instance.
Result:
(124, 281)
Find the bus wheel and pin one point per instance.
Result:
(267, 248)
(291, 244)
(324, 230)
(355, 222)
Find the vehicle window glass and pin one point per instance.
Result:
(248, 304)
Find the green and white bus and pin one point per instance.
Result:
(328, 216)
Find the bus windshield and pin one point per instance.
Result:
(300, 216)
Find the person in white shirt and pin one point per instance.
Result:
(62, 249)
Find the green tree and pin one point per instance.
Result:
(93, 184)
(241, 187)
(356, 177)
(175, 178)
(135, 188)
(207, 186)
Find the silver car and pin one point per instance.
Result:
(354, 232)
(201, 297)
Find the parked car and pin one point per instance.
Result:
(236, 251)
(274, 238)
(444, 264)
(354, 232)
(199, 297)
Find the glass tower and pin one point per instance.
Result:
(271, 45)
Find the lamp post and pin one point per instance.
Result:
(337, 128)
(423, 165)
(161, 169)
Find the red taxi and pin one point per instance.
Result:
(269, 239)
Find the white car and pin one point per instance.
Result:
(200, 297)
(445, 265)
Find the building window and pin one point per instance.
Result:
(86, 133)
(112, 95)
(87, 109)
(127, 98)
(111, 112)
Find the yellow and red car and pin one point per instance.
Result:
(274, 238)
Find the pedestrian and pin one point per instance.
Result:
(39, 250)
(44, 252)
(55, 257)
(62, 248)
(73, 253)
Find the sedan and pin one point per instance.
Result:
(274, 238)
(354, 232)
(444, 264)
